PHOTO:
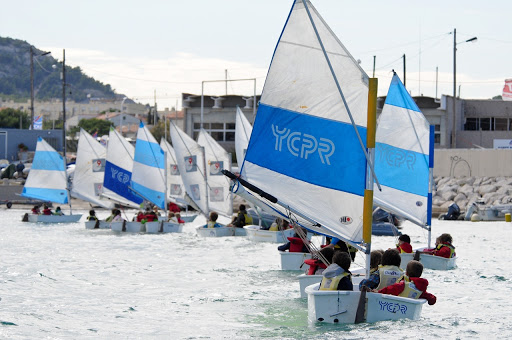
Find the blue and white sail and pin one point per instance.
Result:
(90, 171)
(149, 177)
(403, 157)
(308, 143)
(47, 179)
(217, 159)
(190, 157)
(118, 171)
(243, 130)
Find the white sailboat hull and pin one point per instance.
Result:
(164, 227)
(341, 306)
(254, 233)
(215, 232)
(293, 261)
(430, 261)
(54, 218)
(188, 218)
(92, 225)
(131, 227)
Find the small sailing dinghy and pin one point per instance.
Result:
(200, 174)
(88, 176)
(175, 188)
(404, 165)
(47, 181)
(118, 174)
(149, 178)
(312, 147)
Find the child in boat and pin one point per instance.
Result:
(212, 222)
(150, 215)
(46, 210)
(404, 244)
(316, 266)
(117, 216)
(35, 210)
(242, 219)
(174, 207)
(92, 216)
(172, 218)
(444, 247)
(337, 275)
(340, 245)
(388, 272)
(295, 244)
(111, 217)
(413, 286)
(178, 217)
(58, 212)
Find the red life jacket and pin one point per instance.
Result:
(314, 265)
(47, 211)
(149, 217)
(296, 244)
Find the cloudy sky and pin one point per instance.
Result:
(169, 47)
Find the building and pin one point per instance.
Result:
(218, 116)
(10, 139)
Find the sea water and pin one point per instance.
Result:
(62, 281)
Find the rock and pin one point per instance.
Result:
(446, 204)
(438, 201)
(459, 197)
(448, 195)
(506, 200)
(466, 190)
(484, 189)
(477, 182)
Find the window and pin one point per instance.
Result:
(471, 124)
(500, 124)
(437, 134)
(485, 124)
(221, 132)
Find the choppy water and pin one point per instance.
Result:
(62, 282)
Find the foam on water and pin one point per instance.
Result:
(63, 281)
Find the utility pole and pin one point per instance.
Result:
(374, 57)
(31, 88)
(404, 69)
(64, 102)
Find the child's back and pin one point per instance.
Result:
(337, 275)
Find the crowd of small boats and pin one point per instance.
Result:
(315, 157)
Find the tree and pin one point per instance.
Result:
(158, 131)
(498, 97)
(10, 119)
(102, 127)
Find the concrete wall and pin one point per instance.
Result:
(472, 163)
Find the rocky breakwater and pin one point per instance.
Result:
(466, 190)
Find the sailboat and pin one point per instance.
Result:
(149, 178)
(89, 174)
(118, 173)
(311, 155)
(48, 181)
(176, 188)
(208, 192)
(404, 165)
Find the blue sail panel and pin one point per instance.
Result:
(150, 154)
(401, 169)
(45, 194)
(398, 96)
(154, 196)
(48, 160)
(117, 180)
(315, 150)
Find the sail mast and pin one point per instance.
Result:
(430, 184)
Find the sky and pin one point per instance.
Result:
(160, 49)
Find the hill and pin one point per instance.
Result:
(15, 76)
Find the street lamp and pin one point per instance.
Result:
(63, 76)
(32, 54)
(455, 43)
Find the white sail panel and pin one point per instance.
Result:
(243, 130)
(89, 171)
(118, 171)
(175, 187)
(303, 148)
(47, 179)
(402, 156)
(217, 159)
(148, 173)
(190, 158)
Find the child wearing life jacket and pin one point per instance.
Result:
(444, 247)
(388, 272)
(413, 286)
(340, 245)
(171, 217)
(337, 275)
(46, 210)
(242, 219)
(58, 212)
(92, 216)
(404, 244)
(294, 245)
(212, 222)
(35, 210)
(316, 266)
